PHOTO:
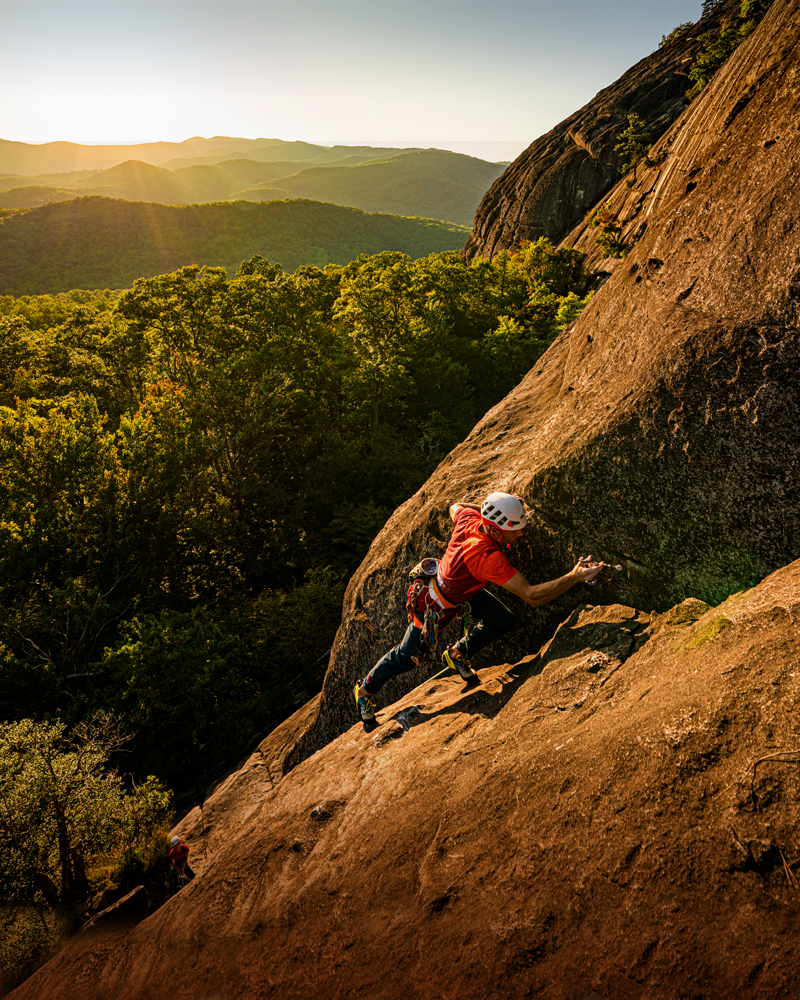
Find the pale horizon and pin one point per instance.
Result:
(492, 150)
(94, 74)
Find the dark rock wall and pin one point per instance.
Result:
(563, 174)
(661, 431)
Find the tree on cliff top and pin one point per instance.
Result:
(719, 45)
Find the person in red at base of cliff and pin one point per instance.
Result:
(179, 862)
(475, 556)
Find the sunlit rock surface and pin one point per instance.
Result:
(614, 817)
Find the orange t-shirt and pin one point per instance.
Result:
(472, 559)
(179, 855)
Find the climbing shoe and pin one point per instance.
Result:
(460, 664)
(366, 706)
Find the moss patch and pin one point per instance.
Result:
(707, 631)
(685, 613)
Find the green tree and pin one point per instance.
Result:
(377, 308)
(609, 231)
(719, 45)
(62, 564)
(754, 8)
(68, 826)
(681, 29)
(64, 813)
(180, 679)
(634, 144)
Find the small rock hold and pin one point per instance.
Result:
(766, 856)
(391, 731)
(408, 717)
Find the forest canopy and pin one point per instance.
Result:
(191, 469)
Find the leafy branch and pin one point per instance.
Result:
(609, 230)
(634, 143)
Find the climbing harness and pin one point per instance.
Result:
(429, 609)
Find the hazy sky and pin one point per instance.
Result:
(425, 72)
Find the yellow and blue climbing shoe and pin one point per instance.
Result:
(460, 664)
(365, 705)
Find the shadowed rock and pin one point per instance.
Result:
(131, 908)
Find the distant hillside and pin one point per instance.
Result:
(221, 181)
(106, 243)
(33, 196)
(287, 151)
(135, 180)
(55, 157)
(431, 182)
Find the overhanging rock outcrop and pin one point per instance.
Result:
(662, 430)
(561, 175)
(614, 817)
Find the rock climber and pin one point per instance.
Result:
(179, 862)
(475, 556)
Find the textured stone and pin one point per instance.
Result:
(585, 823)
(228, 804)
(561, 175)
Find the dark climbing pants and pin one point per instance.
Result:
(175, 875)
(491, 617)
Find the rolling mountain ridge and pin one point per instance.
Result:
(431, 183)
(94, 242)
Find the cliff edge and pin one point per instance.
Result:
(661, 431)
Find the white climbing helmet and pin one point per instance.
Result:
(504, 511)
(174, 841)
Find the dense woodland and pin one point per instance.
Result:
(107, 243)
(192, 468)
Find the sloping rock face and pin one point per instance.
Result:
(662, 430)
(561, 175)
(233, 800)
(615, 817)
(132, 907)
